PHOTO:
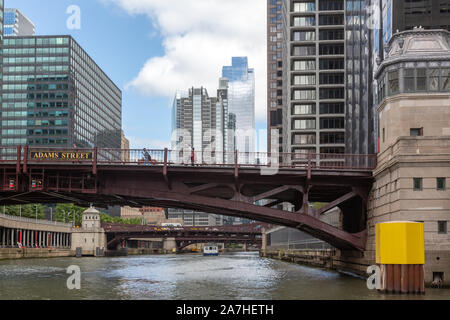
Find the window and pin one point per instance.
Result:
(337, 34)
(434, 79)
(442, 227)
(304, 21)
(304, 65)
(331, 93)
(304, 80)
(393, 82)
(332, 123)
(331, 49)
(328, 5)
(304, 36)
(408, 75)
(417, 184)
(332, 108)
(304, 50)
(440, 183)
(415, 132)
(331, 137)
(302, 124)
(304, 6)
(304, 95)
(326, 20)
(445, 80)
(300, 109)
(421, 80)
(331, 78)
(331, 64)
(309, 138)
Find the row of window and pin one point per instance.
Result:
(413, 80)
(23, 123)
(324, 49)
(32, 78)
(23, 69)
(31, 87)
(33, 51)
(324, 108)
(325, 138)
(418, 184)
(25, 60)
(328, 34)
(324, 93)
(24, 105)
(39, 114)
(324, 64)
(30, 132)
(35, 41)
(325, 123)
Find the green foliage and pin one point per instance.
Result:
(26, 211)
(67, 212)
(64, 212)
(107, 218)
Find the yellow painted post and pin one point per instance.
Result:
(400, 251)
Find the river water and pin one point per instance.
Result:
(226, 277)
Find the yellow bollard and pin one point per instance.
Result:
(400, 254)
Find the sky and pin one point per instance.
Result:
(151, 48)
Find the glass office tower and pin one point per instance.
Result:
(241, 101)
(17, 24)
(55, 95)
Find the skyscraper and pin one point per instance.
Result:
(55, 95)
(274, 75)
(325, 79)
(17, 24)
(202, 122)
(241, 101)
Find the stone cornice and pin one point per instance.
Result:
(413, 96)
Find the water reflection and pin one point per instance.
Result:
(229, 276)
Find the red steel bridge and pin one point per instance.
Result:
(249, 185)
(184, 236)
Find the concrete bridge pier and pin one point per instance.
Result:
(169, 244)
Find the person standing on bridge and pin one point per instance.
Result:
(147, 157)
(193, 157)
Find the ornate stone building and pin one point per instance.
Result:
(411, 179)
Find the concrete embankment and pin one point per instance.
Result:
(17, 253)
(323, 258)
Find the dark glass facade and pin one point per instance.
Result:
(275, 73)
(55, 95)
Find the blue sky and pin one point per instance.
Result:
(150, 48)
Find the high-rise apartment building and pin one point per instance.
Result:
(274, 75)
(325, 79)
(17, 24)
(241, 101)
(203, 123)
(54, 94)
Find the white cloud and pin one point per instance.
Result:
(199, 37)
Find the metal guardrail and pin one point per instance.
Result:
(26, 155)
(36, 221)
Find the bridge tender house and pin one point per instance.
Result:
(64, 155)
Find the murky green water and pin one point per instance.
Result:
(228, 276)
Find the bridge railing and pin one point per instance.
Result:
(36, 221)
(104, 156)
